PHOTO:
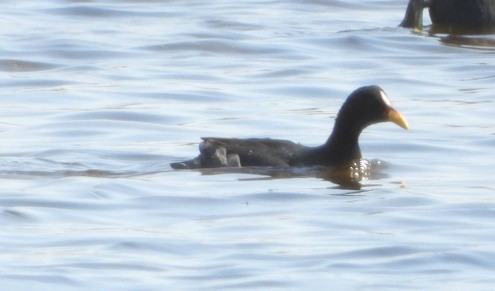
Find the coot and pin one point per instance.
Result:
(365, 106)
(457, 16)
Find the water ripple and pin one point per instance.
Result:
(7, 65)
(98, 97)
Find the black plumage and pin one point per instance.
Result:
(365, 106)
(457, 16)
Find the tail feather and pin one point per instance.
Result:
(189, 164)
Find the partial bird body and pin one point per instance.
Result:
(458, 16)
(365, 106)
(251, 152)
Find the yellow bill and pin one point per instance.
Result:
(394, 116)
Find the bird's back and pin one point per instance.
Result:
(463, 15)
(253, 151)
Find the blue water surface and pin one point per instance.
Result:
(98, 97)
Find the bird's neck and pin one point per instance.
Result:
(343, 142)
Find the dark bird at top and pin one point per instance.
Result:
(365, 106)
(453, 16)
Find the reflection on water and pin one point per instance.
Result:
(454, 30)
(472, 42)
(347, 178)
(465, 39)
